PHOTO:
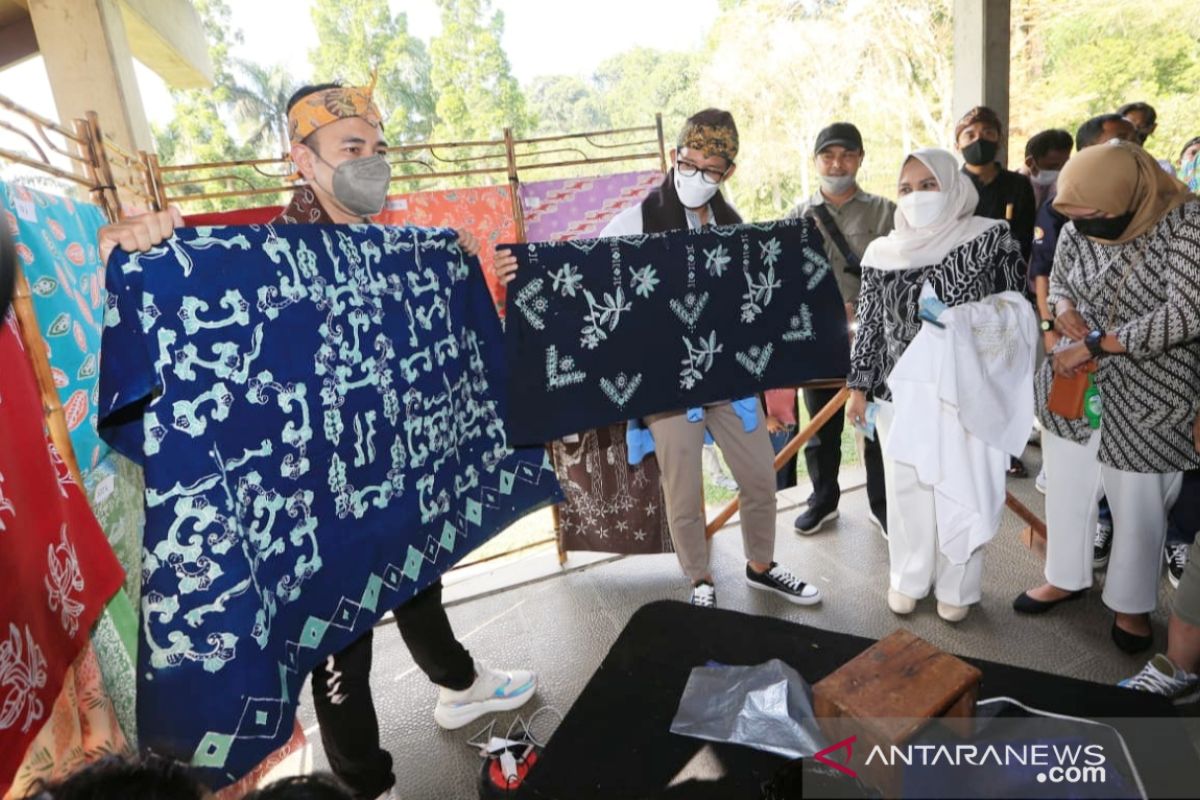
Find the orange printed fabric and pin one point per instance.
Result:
(58, 568)
(486, 213)
(82, 728)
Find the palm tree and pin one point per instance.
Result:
(260, 95)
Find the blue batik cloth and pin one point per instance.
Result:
(319, 413)
(56, 239)
(605, 330)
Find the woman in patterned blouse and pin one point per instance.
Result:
(937, 243)
(1126, 288)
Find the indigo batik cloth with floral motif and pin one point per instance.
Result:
(603, 330)
(319, 412)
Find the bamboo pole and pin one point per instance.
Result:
(35, 345)
(662, 142)
(799, 440)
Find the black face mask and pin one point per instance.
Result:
(980, 152)
(1108, 228)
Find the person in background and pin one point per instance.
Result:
(1127, 295)
(1189, 164)
(1144, 119)
(782, 416)
(1173, 674)
(317, 786)
(116, 778)
(1045, 154)
(338, 148)
(849, 220)
(938, 245)
(1182, 527)
(1003, 194)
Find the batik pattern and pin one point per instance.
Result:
(56, 240)
(609, 329)
(485, 212)
(579, 208)
(317, 412)
(58, 570)
(611, 506)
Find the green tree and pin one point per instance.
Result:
(641, 82)
(359, 37)
(565, 104)
(199, 133)
(477, 95)
(260, 97)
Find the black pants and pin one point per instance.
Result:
(341, 690)
(823, 455)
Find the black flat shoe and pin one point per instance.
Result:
(1130, 642)
(1024, 604)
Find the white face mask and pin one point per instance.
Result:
(922, 208)
(1045, 177)
(694, 191)
(837, 184)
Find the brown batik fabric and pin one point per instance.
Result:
(611, 506)
(304, 208)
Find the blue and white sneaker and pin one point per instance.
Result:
(491, 692)
(1161, 676)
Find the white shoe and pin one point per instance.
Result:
(952, 613)
(1040, 482)
(492, 691)
(901, 603)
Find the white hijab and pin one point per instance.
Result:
(906, 247)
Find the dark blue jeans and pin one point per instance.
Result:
(1184, 519)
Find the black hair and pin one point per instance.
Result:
(8, 269)
(1189, 143)
(305, 91)
(1041, 144)
(1089, 132)
(303, 787)
(147, 778)
(1142, 108)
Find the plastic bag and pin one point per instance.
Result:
(764, 706)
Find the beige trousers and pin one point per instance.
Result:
(678, 445)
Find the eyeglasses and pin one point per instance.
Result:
(711, 176)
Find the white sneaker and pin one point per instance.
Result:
(492, 691)
(1040, 482)
(901, 603)
(1161, 676)
(952, 613)
(704, 595)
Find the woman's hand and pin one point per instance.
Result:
(774, 425)
(505, 266)
(1067, 362)
(1050, 340)
(1072, 325)
(468, 242)
(856, 408)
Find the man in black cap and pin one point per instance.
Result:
(849, 219)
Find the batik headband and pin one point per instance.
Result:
(712, 140)
(318, 109)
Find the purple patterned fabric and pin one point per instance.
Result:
(579, 208)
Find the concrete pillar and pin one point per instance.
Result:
(981, 58)
(88, 60)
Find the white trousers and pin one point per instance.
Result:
(1075, 482)
(916, 560)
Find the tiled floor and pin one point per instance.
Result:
(563, 626)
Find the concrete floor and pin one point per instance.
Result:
(563, 626)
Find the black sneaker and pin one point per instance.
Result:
(813, 519)
(1177, 558)
(704, 595)
(782, 582)
(1102, 545)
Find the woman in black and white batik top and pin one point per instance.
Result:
(1126, 291)
(938, 247)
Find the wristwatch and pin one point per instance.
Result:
(1093, 341)
(1047, 325)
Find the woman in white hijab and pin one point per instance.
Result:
(938, 246)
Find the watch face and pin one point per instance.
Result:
(1047, 325)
